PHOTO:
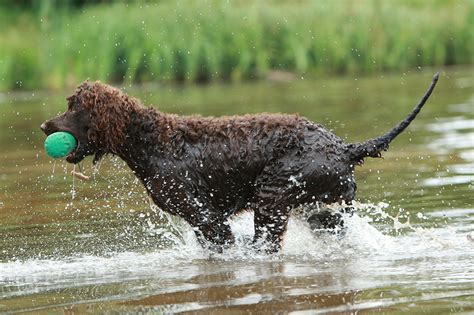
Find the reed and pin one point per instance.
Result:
(205, 41)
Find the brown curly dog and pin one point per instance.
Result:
(205, 169)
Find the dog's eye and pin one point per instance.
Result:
(73, 106)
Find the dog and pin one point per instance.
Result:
(205, 169)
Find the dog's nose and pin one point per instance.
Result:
(43, 127)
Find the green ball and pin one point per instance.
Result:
(60, 144)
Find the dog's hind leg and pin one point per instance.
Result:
(325, 220)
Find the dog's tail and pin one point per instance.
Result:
(374, 147)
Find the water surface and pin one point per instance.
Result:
(99, 246)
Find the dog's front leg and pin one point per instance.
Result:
(214, 234)
(270, 225)
(271, 215)
(274, 198)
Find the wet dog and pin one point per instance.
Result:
(205, 169)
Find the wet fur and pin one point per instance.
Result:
(206, 169)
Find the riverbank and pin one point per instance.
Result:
(215, 41)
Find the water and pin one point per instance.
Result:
(69, 246)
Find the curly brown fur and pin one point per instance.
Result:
(205, 169)
(110, 112)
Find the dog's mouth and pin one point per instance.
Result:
(82, 151)
(79, 152)
(76, 156)
(83, 147)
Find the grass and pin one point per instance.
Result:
(19, 58)
(235, 40)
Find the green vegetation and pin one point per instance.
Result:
(230, 40)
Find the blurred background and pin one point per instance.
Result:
(54, 43)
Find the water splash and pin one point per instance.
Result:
(363, 255)
(73, 187)
(300, 242)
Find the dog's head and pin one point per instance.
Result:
(97, 116)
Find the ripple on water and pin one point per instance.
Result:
(455, 137)
(364, 256)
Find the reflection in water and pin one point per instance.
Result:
(455, 133)
(107, 250)
(315, 271)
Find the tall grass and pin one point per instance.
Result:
(238, 40)
(19, 56)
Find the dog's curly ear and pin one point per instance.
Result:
(98, 156)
